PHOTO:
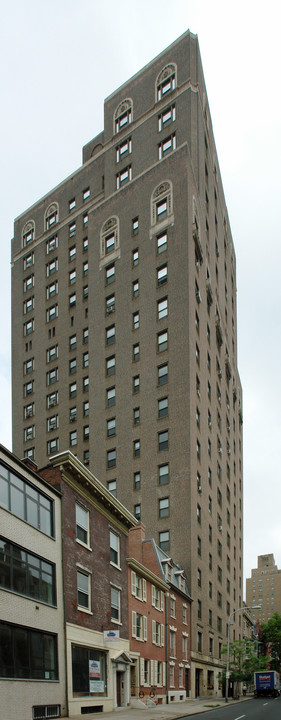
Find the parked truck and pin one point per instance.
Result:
(267, 683)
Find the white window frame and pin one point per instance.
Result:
(114, 545)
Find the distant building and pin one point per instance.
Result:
(264, 588)
(32, 641)
(124, 333)
(95, 530)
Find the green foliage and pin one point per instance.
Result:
(243, 660)
(271, 637)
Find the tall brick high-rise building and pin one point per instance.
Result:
(263, 588)
(125, 333)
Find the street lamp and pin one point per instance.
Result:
(230, 622)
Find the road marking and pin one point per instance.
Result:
(264, 704)
(240, 716)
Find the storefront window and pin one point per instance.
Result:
(88, 672)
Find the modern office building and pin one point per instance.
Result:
(124, 333)
(264, 588)
(32, 635)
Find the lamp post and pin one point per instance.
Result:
(230, 622)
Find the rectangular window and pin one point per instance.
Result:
(28, 327)
(51, 244)
(27, 654)
(162, 275)
(136, 320)
(164, 540)
(136, 416)
(52, 376)
(28, 305)
(83, 590)
(123, 177)
(164, 509)
(28, 283)
(110, 396)
(86, 194)
(110, 365)
(136, 384)
(135, 226)
(114, 548)
(72, 366)
(52, 267)
(72, 229)
(162, 241)
(82, 524)
(166, 146)
(52, 446)
(135, 288)
(163, 440)
(72, 253)
(137, 480)
(136, 446)
(161, 209)
(162, 407)
(110, 335)
(137, 511)
(29, 411)
(135, 258)
(162, 341)
(124, 149)
(52, 423)
(115, 605)
(111, 458)
(28, 366)
(111, 427)
(136, 352)
(52, 313)
(163, 474)
(73, 390)
(27, 574)
(112, 487)
(110, 304)
(162, 374)
(28, 261)
(166, 117)
(109, 274)
(52, 353)
(72, 277)
(162, 308)
(52, 399)
(25, 501)
(72, 414)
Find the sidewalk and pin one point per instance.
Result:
(164, 712)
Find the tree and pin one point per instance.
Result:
(243, 661)
(271, 637)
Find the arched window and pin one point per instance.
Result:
(166, 81)
(51, 216)
(28, 233)
(123, 115)
(109, 240)
(162, 204)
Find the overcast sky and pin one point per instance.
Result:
(59, 60)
